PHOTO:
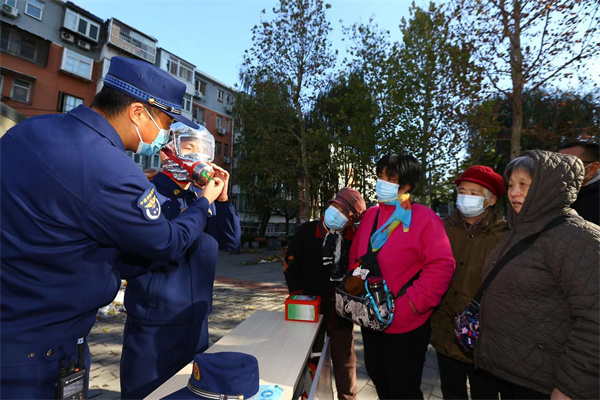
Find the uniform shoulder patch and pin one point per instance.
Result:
(149, 204)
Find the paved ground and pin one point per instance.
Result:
(253, 287)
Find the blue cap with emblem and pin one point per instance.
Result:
(221, 376)
(148, 84)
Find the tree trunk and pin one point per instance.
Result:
(265, 217)
(306, 180)
(516, 68)
(304, 151)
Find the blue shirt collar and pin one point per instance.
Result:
(98, 123)
(169, 186)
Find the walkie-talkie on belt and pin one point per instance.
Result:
(72, 381)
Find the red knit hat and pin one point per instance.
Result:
(351, 203)
(484, 176)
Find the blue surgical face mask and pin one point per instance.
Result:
(386, 191)
(334, 218)
(470, 206)
(158, 143)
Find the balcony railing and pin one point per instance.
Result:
(131, 41)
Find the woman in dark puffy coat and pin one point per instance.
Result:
(539, 316)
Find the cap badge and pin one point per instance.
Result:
(196, 371)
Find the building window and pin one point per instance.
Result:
(154, 162)
(220, 94)
(77, 64)
(227, 125)
(225, 150)
(12, 3)
(219, 122)
(227, 98)
(217, 148)
(198, 114)
(139, 159)
(20, 90)
(178, 68)
(66, 102)
(19, 45)
(201, 87)
(187, 103)
(78, 23)
(34, 9)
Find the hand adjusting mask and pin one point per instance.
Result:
(185, 158)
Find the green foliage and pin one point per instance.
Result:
(422, 88)
(292, 49)
(526, 45)
(550, 119)
(436, 85)
(344, 117)
(268, 163)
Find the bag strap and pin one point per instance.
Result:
(370, 252)
(514, 251)
(370, 257)
(408, 284)
(370, 248)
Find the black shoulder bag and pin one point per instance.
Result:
(466, 324)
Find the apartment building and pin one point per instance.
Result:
(212, 106)
(49, 56)
(55, 55)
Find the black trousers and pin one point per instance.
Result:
(513, 391)
(453, 376)
(395, 362)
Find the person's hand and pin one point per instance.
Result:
(212, 189)
(224, 176)
(558, 395)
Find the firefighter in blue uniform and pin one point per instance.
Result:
(168, 308)
(72, 203)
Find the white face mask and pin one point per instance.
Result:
(386, 191)
(334, 218)
(470, 206)
(158, 143)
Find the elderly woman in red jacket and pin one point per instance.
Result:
(411, 238)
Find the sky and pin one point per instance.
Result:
(213, 34)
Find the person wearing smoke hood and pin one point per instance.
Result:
(474, 229)
(168, 307)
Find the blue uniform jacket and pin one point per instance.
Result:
(165, 295)
(168, 308)
(72, 200)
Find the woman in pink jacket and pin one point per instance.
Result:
(412, 240)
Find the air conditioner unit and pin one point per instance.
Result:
(67, 37)
(198, 94)
(229, 108)
(83, 44)
(221, 131)
(226, 160)
(10, 11)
